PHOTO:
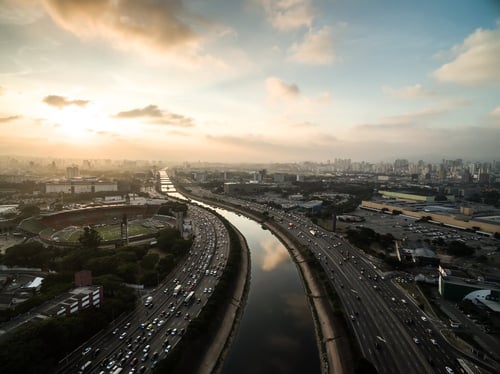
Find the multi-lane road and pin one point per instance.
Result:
(392, 331)
(136, 341)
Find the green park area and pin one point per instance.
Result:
(107, 232)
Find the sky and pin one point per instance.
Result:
(250, 80)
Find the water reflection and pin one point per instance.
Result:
(298, 309)
(276, 332)
(273, 254)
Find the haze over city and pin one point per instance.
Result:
(250, 80)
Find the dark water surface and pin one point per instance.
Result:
(276, 333)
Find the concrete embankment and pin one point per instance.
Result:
(332, 338)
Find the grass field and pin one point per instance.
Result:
(108, 232)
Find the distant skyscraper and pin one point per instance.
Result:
(72, 172)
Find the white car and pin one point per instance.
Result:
(423, 318)
(433, 341)
(449, 370)
(415, 339)
(86, 350)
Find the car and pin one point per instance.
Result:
(449, 370)
(415, 339)
(127, 325)
(174, 332)
(110, 365)
(123, 335)
(167, 348)
(353, 318)
(146, 348)
(86, 351)
(423, 318)
(433, 341)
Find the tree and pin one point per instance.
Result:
(90, 238)
(456, 248)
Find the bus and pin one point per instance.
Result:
(189, 298)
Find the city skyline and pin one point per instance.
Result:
(254, 80)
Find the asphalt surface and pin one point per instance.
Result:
(135, 342)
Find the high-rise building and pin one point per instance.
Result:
(72, 172)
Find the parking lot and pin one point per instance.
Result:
(421, 234)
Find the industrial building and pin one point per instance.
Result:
(74, 186)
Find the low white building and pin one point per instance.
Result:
(74, 186)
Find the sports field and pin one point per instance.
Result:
(107, 232)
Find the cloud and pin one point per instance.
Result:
(147, 111)
(315, 49)
(412, 117)
(61, 101)
(278, 89)
(8, 119)
(408, 92)
(286, 15)
(17, 12)
(158, 116)
(176, 120)
(305, 124)
(421, 116)
(425, 142)
(279, 148)
(273, 255)
(495, 112)
(1, 90)
(476, 60)
(156, 25)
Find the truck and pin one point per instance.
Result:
(177, 290)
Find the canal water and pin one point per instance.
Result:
(276, 332)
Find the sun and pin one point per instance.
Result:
(78, 124)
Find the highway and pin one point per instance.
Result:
(392, 331)
(136, 341)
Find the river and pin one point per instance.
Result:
(276, 332)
